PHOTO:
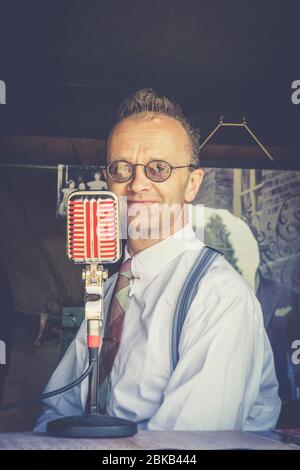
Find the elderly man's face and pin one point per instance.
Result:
(140, 141)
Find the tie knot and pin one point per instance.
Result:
(125, 269)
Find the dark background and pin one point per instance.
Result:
(68, 64)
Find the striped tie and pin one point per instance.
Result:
(113, 331)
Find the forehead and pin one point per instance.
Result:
(159, 136)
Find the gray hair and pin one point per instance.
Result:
(144, 103)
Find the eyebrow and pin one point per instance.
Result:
(124, 159)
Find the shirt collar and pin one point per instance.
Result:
(148, 263)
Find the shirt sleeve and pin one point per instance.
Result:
(73, 364)
(217, 378)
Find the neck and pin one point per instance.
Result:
(134, 246)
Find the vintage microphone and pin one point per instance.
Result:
(93, 239)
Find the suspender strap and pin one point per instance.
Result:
(186, 296)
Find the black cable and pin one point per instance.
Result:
(27, 401)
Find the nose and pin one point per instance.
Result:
(140, 182)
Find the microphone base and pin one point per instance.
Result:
(89, 426)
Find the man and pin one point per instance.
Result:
(225, 376)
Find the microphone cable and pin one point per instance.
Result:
(28, 401)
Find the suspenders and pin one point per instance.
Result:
(186, 296)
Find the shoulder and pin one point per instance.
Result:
(224, 279)
(220, 275)
(223, 291)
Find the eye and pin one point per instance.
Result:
(124, 168)
(159, 166)
(120, 171)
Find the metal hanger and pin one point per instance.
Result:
(237, 124)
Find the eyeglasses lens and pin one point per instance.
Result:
(156, 170)
(120, 171)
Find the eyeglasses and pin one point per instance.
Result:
(121, 171)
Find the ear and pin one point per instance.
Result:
(193, 185)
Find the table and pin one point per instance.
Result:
(148, 440)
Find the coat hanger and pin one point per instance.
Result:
(237, 124)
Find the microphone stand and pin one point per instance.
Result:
(92, 424)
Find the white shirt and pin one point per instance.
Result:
(225, 378)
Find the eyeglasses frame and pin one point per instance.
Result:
(191, 165)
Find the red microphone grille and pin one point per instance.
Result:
(93, 227)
